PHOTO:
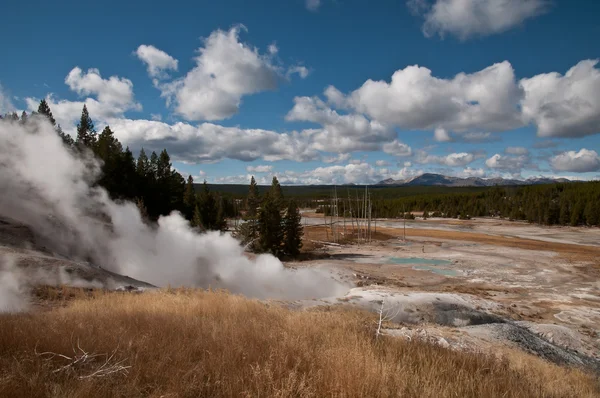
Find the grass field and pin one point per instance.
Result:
(192, 343)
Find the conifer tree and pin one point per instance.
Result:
(24, 117)
(44, 109)
(253, 200)
(293, 230)
(66, 138)
(143, 164)
(269, 226)
(189, 198)
(86, 133)
(197, 218)
(154, 165)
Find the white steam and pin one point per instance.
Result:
(12, 296)
(48, 188)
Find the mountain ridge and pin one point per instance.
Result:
(432, 179)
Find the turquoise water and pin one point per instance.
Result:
(444, 272)
(417, 260)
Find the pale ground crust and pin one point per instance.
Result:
(541, 280)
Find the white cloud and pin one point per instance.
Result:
(226, 70)
(335, 97)
(114, 97)
(407, 164)
(470, 172)
(564, 106)
(516, 150)
(342, 157)
(416, 100)
(360, 173)
(470, 18)
(114, 91)
(397, 148)
(156, 60)
(441, 135)
(6, 104)
(302, 71)
(339, 133)
(509, 163)
(273, 49)
(313, 5)
(451, 160)
(259, 169)
(382, 163)
(209, 142)
(577, 162)
(156, 116)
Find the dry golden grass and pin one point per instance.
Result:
(189, 343)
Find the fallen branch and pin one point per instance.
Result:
(82, 359)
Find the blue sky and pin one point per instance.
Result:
(304, 89)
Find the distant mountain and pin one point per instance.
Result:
(430, 179)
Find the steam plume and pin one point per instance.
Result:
(50, 189)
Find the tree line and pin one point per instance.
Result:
(574, 204)
(271, 224)
(150, 182)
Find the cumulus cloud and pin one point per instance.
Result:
(313, 5)
(382, 163)
(469, 18)
(397, 148)
(339, 133)
(6, 104)
(451, 160)
(564, 106)
(114, 91)
(156, 60)
(359, 173)
(114, 97)
(416, 100)
(207, 142)
(513, 164)
(470, 172)
(441, 135)
(226, 70)
(583, 161)
(342, 157)
(259, 169)
(516, 150)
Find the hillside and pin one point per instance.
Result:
(430, 179)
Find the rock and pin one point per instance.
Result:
(442, 342)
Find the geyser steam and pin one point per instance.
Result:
(50, 189)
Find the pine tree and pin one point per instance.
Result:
(24, 117)
(86, 133)
(565, 214)
(154, 165)
(293, 230)
(269, 226)
(276, 194)
(107, 148)
(44, 109)
(253, 200)
(163, 166)
(66, 138)
(143, 164)
(189, 198)
(197, 218)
